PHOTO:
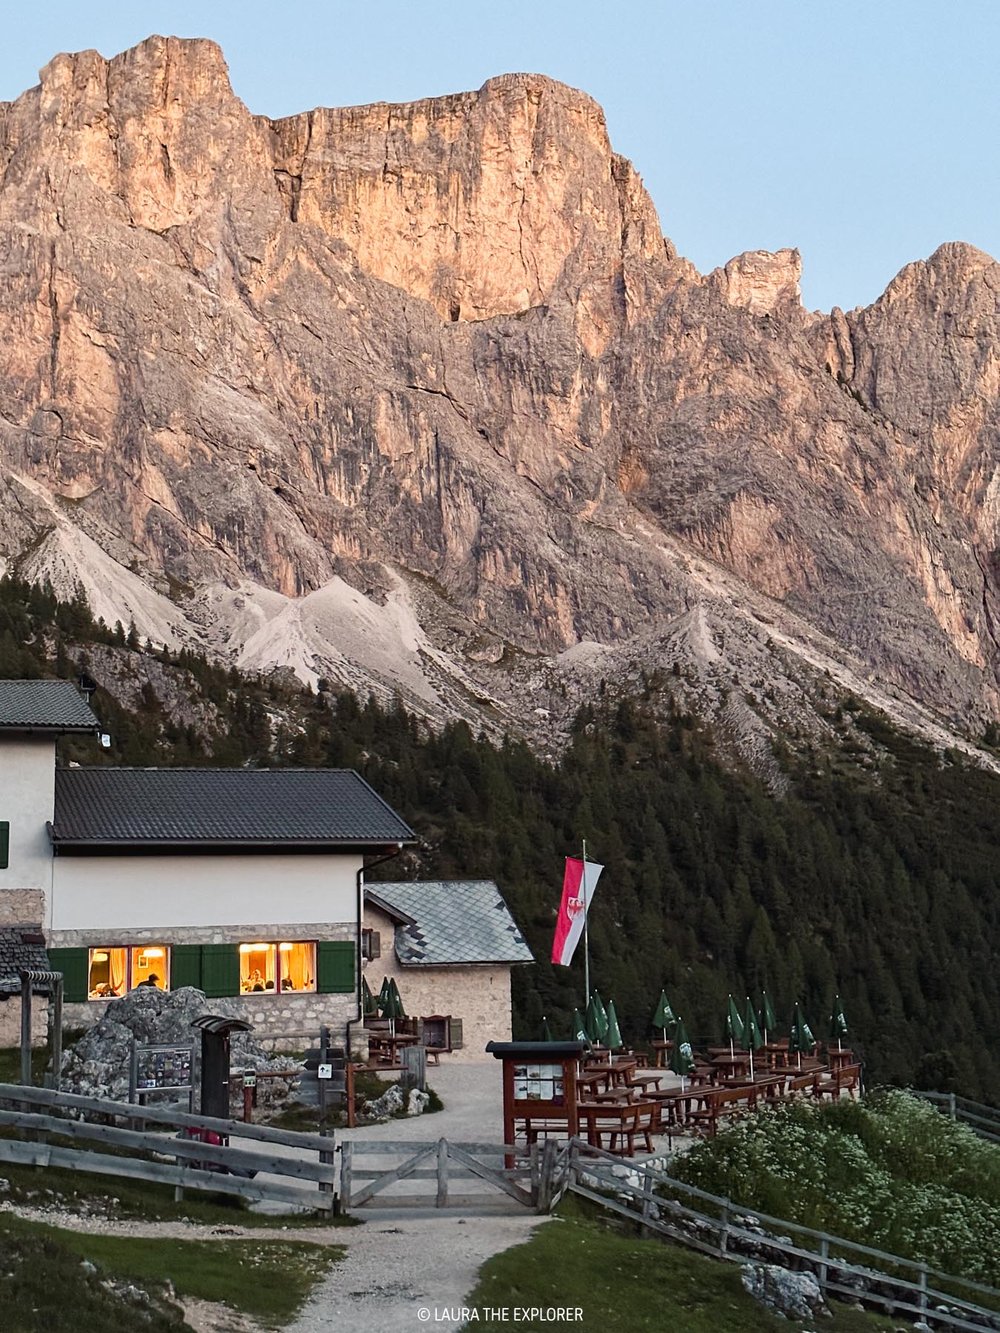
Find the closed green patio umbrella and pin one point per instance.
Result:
(800, 1038)
(369, 1004)
(733, 1025)
(664, 1017)
(597, 1019)
(752, 1039)
(546, 1030)
(768, 1020)
(580, 1032)
(613, 1036)
(682, 1056)
(838, 1023)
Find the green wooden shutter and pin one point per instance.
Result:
(455, 1028)
(220, 969)
(185, 965)
(335, 967)
(74, 964)
(4, 844)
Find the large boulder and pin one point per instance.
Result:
(98, 1064)
(792, 1295)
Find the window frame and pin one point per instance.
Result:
(272, 950)
(129, 984)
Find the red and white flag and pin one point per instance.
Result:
(579, 883)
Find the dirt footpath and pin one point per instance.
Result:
(399, 1264)
(406, 1260)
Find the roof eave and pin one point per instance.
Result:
(123, 845)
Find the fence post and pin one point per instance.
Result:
(346, 1153)
(824, 1254)
(352, 1118)
(534, 1168)
(547, 1176)
(647, 1201)
(952, 1110)
(442, 1174)
(326, 1159)
(324, 1055)
(724, 1228)
(922, 1283)
(25, 1030)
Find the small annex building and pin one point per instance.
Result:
(247, 883)
(450, 945)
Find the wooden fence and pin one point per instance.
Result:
(982, 1120)
(723, 1229)
(113, 1139)
(436, 1166)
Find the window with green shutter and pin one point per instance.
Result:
(185, 965)
(4, 844)
(220, 969)
(74, 965)
(335, 966)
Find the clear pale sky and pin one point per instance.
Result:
(865, 132)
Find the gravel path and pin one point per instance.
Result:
(407, 1259)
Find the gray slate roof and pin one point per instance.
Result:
(20, 946)
(128, 807)
(44, 705)
(454, 921)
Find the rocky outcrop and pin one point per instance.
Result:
(400, 395)
(99, 1063)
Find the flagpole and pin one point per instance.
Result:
(586, 938)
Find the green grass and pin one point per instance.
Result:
(625, 1283)
(267, 1279)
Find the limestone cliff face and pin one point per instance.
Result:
(427, 382)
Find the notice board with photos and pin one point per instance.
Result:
(539, 1083)
(161, 1068)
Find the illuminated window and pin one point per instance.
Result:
(273, 968)
(114, 970)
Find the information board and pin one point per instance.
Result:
(161, 1069)
(539, 1083)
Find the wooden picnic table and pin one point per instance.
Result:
(728, 1067)
(621, 1122)
(383, 1048)
(661, 1053)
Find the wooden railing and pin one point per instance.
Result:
(113, 1139)
(727, 1230)
(982, 1120)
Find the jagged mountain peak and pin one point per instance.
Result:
(440, 354)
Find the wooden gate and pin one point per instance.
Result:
(428, 1172)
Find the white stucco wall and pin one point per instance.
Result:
(27, 799)
(119, 893)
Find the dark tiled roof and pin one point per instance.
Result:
(218, 806)
(20, 946)
(44, 705)
(455, 921)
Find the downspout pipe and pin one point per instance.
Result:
(360, 887)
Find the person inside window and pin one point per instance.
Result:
(151, 980)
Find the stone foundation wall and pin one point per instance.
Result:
(10, 1021)
(90, 939)
(20, 905)
(292, 1020)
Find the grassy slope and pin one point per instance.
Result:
(47, 1283)
(625, 1283)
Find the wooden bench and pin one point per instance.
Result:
(719, 1103)
(623, 1123)
(847, 1079)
